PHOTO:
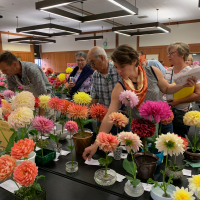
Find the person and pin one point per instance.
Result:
(140, 53)
(154, 63)
(178, 53)
(189, 61)
(145, 81)
(25, 74)
(80, 78)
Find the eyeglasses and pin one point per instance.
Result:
(91, 63)
(170, 53)
(80, 60)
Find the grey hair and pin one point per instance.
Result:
(100, 51)
(81, 54)
(8, 58)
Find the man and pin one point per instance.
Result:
(25, 74)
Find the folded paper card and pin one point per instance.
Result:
(92, 162)
(10, 186)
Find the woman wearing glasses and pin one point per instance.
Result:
(80, 79)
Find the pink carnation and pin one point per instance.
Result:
(129, 98)
(2, 83)
(196, 63)
(155, 110)
(42, 124)
(8, 93)
(71, 126)
(107, 142)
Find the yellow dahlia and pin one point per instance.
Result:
(170, 143)
(43, 101)
(82, 98)
(192, 118)
(61, 77)
(69, 70)
(24, 99)
(194, 183)
(182, 194)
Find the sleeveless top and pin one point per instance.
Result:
(153, 91)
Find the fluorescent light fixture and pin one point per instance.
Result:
(121, 33)
(194, 54)
(89, 38)
(162, 29)
(31, 40)
(125, 5)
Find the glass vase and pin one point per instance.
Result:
(58, 148)
(71, 168)
(117, 153)
(133, 191)
(103, 180)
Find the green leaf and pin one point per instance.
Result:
(190, 144)
(11, 142)
(170, 163)
(150, 140)
(109, 160)
(53, 137)
(2, 152)
(42, 143)
(135, 182)
(129, 178)
(37, 187)
(33, 131)
(71, 147)
(199, 170)
(198, 145)
(87, 121)
(39, 177)
(128, 166)
(102, 161)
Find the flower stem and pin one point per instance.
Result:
(195, 139)
(4, 135)
(144, 150)
(42, 152)
(130, 117)
(117, 129)
(164, 184)
(134, 175)
(71, 148)
(22, 133)
(82, 130)
(15, 183)
(106, 166)
(174, 162)
(25, 129)
(160, 128)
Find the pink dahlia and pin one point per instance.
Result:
(55, 103)
(42, 124)
(22, 148)
(129, 98)
(107, 142)
(155, 110)
(71, 126)
(2, 83)
(25, 173)
(169, 120)
(130, 140)
(8, 93)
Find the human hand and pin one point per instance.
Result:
(89, 152)
(173, 102)
(191, 82)
(70, 85)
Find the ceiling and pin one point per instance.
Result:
(177, 10)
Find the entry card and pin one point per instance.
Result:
(187, 172)
(147, 187)
(10, 186)
(123, 156)
(92, 162)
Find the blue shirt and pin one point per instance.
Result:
(157, 64)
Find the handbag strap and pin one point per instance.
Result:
(172, 75)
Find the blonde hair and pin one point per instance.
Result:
(190, 57)
(182, 48)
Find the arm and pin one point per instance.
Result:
(94, 101)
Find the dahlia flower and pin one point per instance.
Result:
(20, 117)
(143, 127)
(6, 115)
(2, 84)
(22, 148)
(118, 119)
(37, 102)
(169, 120)
(2, 78)
(65, 107)
(8, 93)
(129, 98)
(49, 71)
(42, 124)
(25, 173)
(78, 111)
(98, 111)
(182, 194)
(196, 63)
(55, 103)
(170, 143)
(130, 140)
(6, 108)
(71, 126)
(69, 70)
(61, 77)
(107, 142)
(44, 100)
(24, 99)
(194, 183)
(82, 98)
(7, 166)
(192, 118)
(185, 142)
(155, 110)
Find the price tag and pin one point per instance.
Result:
(187, 172)
(147, 187)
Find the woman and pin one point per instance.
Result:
(80, 79)
(178, 53)
(146, 81)
(189, 61)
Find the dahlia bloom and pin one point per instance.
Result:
(194, 183)
(25, 173)
(192, 118)
(65, 107)
(7, 166)
(24, 99)
(20, 117)
(8, 93)
(182, 194)
(98, 111)
(185, 142)
(42, 124)
(2, 78)
(196, 63)
(130, 140)
(6, 115)
(43, 101)
(129, 98)
(37, 102)
(155, 110)
(49, 71)
(69, 70)
(118, 119)
(82, 98)
(107, 142)
(71, 126)
(143, 127)
(61, 77)
(22, 148)
(169, 120)
(78, 111)
(2, 84)
(6, 108)
(170, 143)
(55, 103)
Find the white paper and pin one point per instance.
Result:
(10, 186)
(37, 149)
(64, 153)
(147, 187)
(57, 155)
(123, 147)
(92, 162)
(44, 138)
(120, 177)
(187, 172)
(181, 78)
(123, 156)
(68, 137)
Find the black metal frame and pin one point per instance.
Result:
(89, 38)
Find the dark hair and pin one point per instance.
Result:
(81, 54)
(141, 52)
(125, 54)
(161, 61)
(8, 58)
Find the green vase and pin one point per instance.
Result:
(49, 155)
(58, 95)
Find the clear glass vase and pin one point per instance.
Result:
(133, 191)
(117, 153)
(71, 167)
(58, 148)
(103, 180)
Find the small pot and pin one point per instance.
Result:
(192, 157)
(177, 174)
(134, 191)
(146, 165)
(63, 135)
(31, 157)
(117, 153)
(49, 155)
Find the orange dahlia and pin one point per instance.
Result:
(65, 107)
(98, 112)
(49, 71)
(55, 103)
(118, 119)
(78, 111)
(6, 108)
